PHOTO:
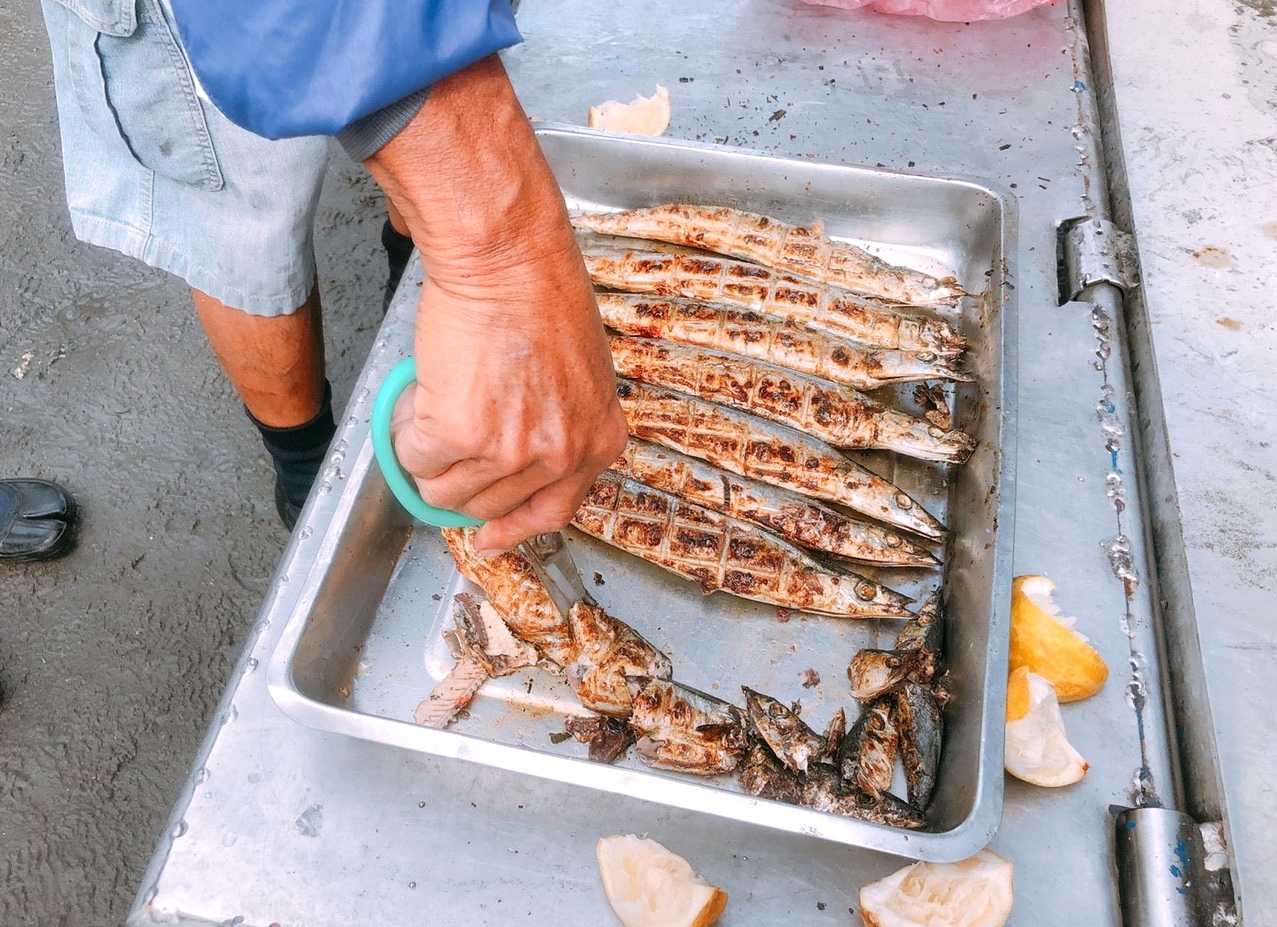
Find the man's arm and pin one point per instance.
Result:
(515, 413)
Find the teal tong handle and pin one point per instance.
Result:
(404, 373)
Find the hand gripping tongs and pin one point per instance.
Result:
(547, 554)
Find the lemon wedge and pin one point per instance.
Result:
(976, 892)
(1037, 749)
(648, 886)
(644, 116)
(1048, 646)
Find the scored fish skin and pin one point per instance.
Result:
(684, 729)
(917, 716)
(748, 286)
(789, 737)
(608, 650)
(790, 248)
(837, 414)
(794, 517)
(723, 553)
(772, 340)
(515, 592)
(749, 446)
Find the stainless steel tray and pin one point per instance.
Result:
(364, 646)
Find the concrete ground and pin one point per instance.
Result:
(112, 659)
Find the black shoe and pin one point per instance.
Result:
(37, 520)
(288, 512)
(398, 253)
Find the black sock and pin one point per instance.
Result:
(298, 452)
(398, 251)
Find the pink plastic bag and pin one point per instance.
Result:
(951, 11)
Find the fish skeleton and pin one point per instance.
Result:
(684, 729)
(720, 552)
(795, 518)
(789, 248)
(762, 450)
(836, 414)
(772, 340)
(748, 286)
(607, 650)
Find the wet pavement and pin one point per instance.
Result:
(112, 659)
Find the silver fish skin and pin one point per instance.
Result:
(719, 552)
(794, 743)
(747, 286)
(773, 340)
(795, 249)
(795, 518)
(874, 672)
(752, 447)
(608, 650)
(684, 729)
(920, 723)
(839, 415)
(823, 790)
(924, 634)
(762, 775)
(867, 755)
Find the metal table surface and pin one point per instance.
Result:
(283, 825)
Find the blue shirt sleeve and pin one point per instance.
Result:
(283, 68)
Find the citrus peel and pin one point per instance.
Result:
(649, 886)
(976, 892)
(1037, 749)
(1046, 645)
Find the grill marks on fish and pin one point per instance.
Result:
(772, 453)
(772, 340)
(684, 729)
(748, 286)
(789, 248)
(837, 414)
(720, 552)
(606, 651)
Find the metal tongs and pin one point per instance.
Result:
(546, 553)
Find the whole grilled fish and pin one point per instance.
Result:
(824, 790)
(789, 248)
(867, 755)
(795, 518)
(722, 553)
(836, 414)
(794, 743)
(518, 596)
(684, 729)
(607, 650)
(920, 723)
(749, 446)
(874, 672)
(772, 340)
(748, 286)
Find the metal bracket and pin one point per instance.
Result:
(1097, 251)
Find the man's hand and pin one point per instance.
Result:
(515, 413)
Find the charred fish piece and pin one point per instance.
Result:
(607, 650)
(607, 738)
(772, 340)
(823, 790)
(748, 286)
(762, 775)
(794, 743)
(867, 755)
(838, 415)
(920, 723)
(749, 446)
(924, 634)
(684, 729)
(722, 553)
(794, 249)
(793, 517)
(873, 672)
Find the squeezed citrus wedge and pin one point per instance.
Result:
(648, 886)
(1049, 646)
(976, 892)
(643, 116)
(1037, 749)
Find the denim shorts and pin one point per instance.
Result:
(155, 171)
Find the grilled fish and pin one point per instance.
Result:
(762, 775)
(748, 286)
(722, 553)
(924, 634)
(749, 446)
(517, 595)
(874, 672)
(795, 518)
(794, 743)
(867, 755)
(767, 241)
(918, 719)
(772, 340)
(607, 650)
(607, 738)
(823, 790)
(836, 414)
(684, 729)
